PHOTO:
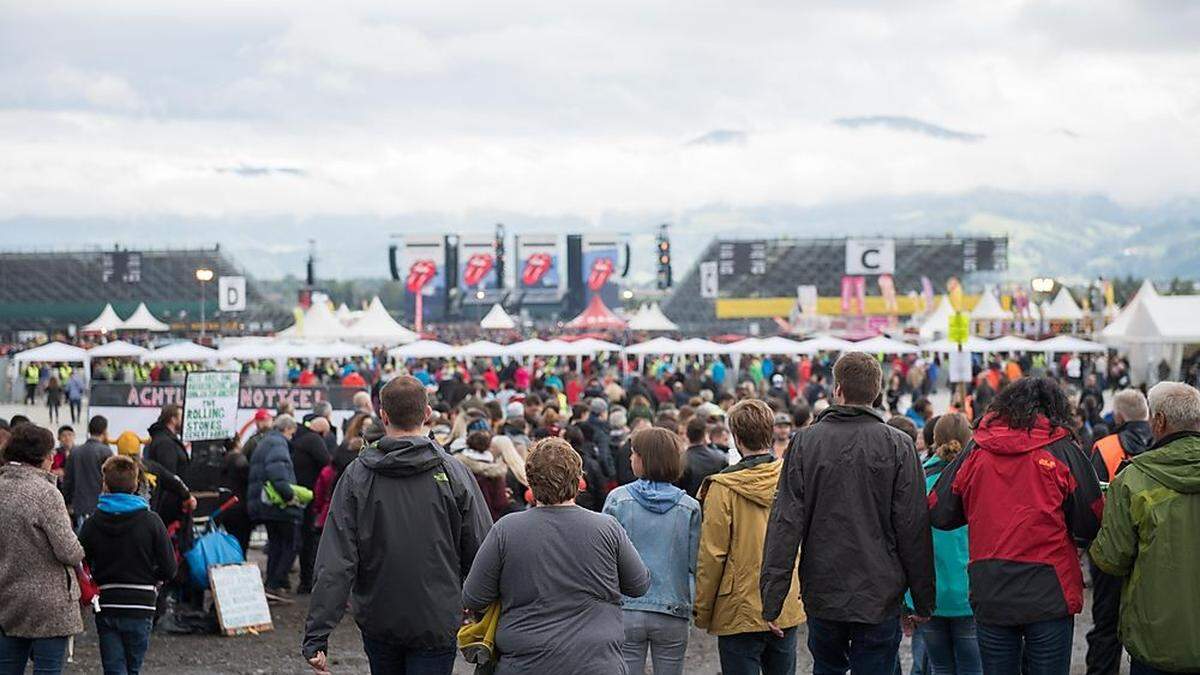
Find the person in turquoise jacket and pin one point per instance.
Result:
(950, 634)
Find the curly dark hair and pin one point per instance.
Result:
(1020, 404)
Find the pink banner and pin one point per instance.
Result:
(860, 294)
(847, 293)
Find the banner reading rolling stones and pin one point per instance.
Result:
(477, 263)
(424, 266)
(537, 267)
(599, 268)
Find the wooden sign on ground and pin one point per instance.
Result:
(240, 599)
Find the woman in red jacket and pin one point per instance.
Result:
(1030, 497)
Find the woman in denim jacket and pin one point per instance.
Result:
(663, 523)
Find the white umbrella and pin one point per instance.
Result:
(181, 351)
(50, 352)
(1066, 344)
(497, 319)
(1014, 343)
(107, 321)
(658, 345)
(142, 319)
(881, 344)
(116, 349)
(424, 349)
(484, 348)
(975, 345)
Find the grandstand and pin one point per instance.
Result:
(758, 279)
(51, 290)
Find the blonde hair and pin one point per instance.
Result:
(511, 457)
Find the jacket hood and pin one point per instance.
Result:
(756, 483)
(481, 467)
(157, 428)
(848, 413)
(407, 456)
(1135, 437)
(654, 496)
(117, 502)
(1175, 464)
(995, 437)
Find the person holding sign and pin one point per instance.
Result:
(168, 450)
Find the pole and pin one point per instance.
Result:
(202, 310)
(420, 306)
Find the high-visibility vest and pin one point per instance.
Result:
(64, 373)
(32, 374)
(1112, 453)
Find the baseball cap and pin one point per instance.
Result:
(514, 410)
(783, 418)
(262, 414)
(597, 406)
(777, 379)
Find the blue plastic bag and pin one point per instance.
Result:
(218, 547)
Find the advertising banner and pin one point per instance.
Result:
(887, 288)
(134, 407)
(870, 256)
(538, 268)
(599, 268)
(424, 265)
(477, 268)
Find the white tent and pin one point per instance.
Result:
(321, 350)
(881, 344)
(483, 348)
(594, 346)
(1062, 308)
(1115, 331)
(975, 345)
(107, 321)
(251, 349)
(702, 347)
(376, 326)
(825, 343)
(318, 323)
(937, 322)
(1156, 328)
(181, 351)
(1066, 344)
(116, 349)
(142, 319)
(530, 347)
(658, 345)
(988, 308)
(53, 352)
(1014, 343)
(497, 319)
(343, 313)
(651, 319)
(424, 349)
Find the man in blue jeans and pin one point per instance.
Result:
(852, 499)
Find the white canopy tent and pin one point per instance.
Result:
(1115, 332)
(321, 350)
(250, 349)
(1157, 330)
(650, 319)
(142, 319)
(658, 345)
(182, 351)
(881, 344)
(53, 352)
(106, 322)
(1065, 344)
(974, 344)
(702, 347)
(594, 346)
(775, 345)
(376, 326)
(530, 347)
(344, 314)
(317, 323)
(1062, 308)
(497, 319)
(825, 343)
(483, 349)
(117, 349)
(424, 349)
(1014, 343)
(937, 322)
(988, 308)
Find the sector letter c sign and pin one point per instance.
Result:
(870, 256)
(232, 292)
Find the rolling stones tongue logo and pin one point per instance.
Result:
(602, 269)
(477, 268)
(536, 267)
(421, 273)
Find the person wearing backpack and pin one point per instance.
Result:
(127, 548)
(404, 525)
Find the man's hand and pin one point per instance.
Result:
(909, 623)
(775, 629)
(319, 665)
(189, 505)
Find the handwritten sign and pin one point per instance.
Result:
(240, 599)
(960, 367)
(210, 405)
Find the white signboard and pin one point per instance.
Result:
(232, 294)
(210, 405)
(708, 279)
(240, 599)
(960, 367)
(870, 256)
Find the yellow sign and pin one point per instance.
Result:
(960, 328)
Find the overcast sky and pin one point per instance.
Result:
(233, 109)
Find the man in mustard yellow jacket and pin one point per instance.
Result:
(737, 505)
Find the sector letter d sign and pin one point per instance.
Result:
(232, 291)
(870, 256)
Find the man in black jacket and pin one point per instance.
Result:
(852, 498)
(310, 454)
(82, 481)
(404, 525)
(700, 459)
(166, 448)
(601, 433)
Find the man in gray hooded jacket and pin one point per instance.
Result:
(404, 524)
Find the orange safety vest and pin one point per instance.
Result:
(1112, 453)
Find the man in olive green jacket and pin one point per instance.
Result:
(1151, 536)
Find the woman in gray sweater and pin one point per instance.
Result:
(559, 572)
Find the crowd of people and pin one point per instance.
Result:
(596, 516)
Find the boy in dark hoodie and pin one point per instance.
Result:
(130, 554)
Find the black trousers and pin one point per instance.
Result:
(281, 552)
(1104, 647)
(310, 536)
